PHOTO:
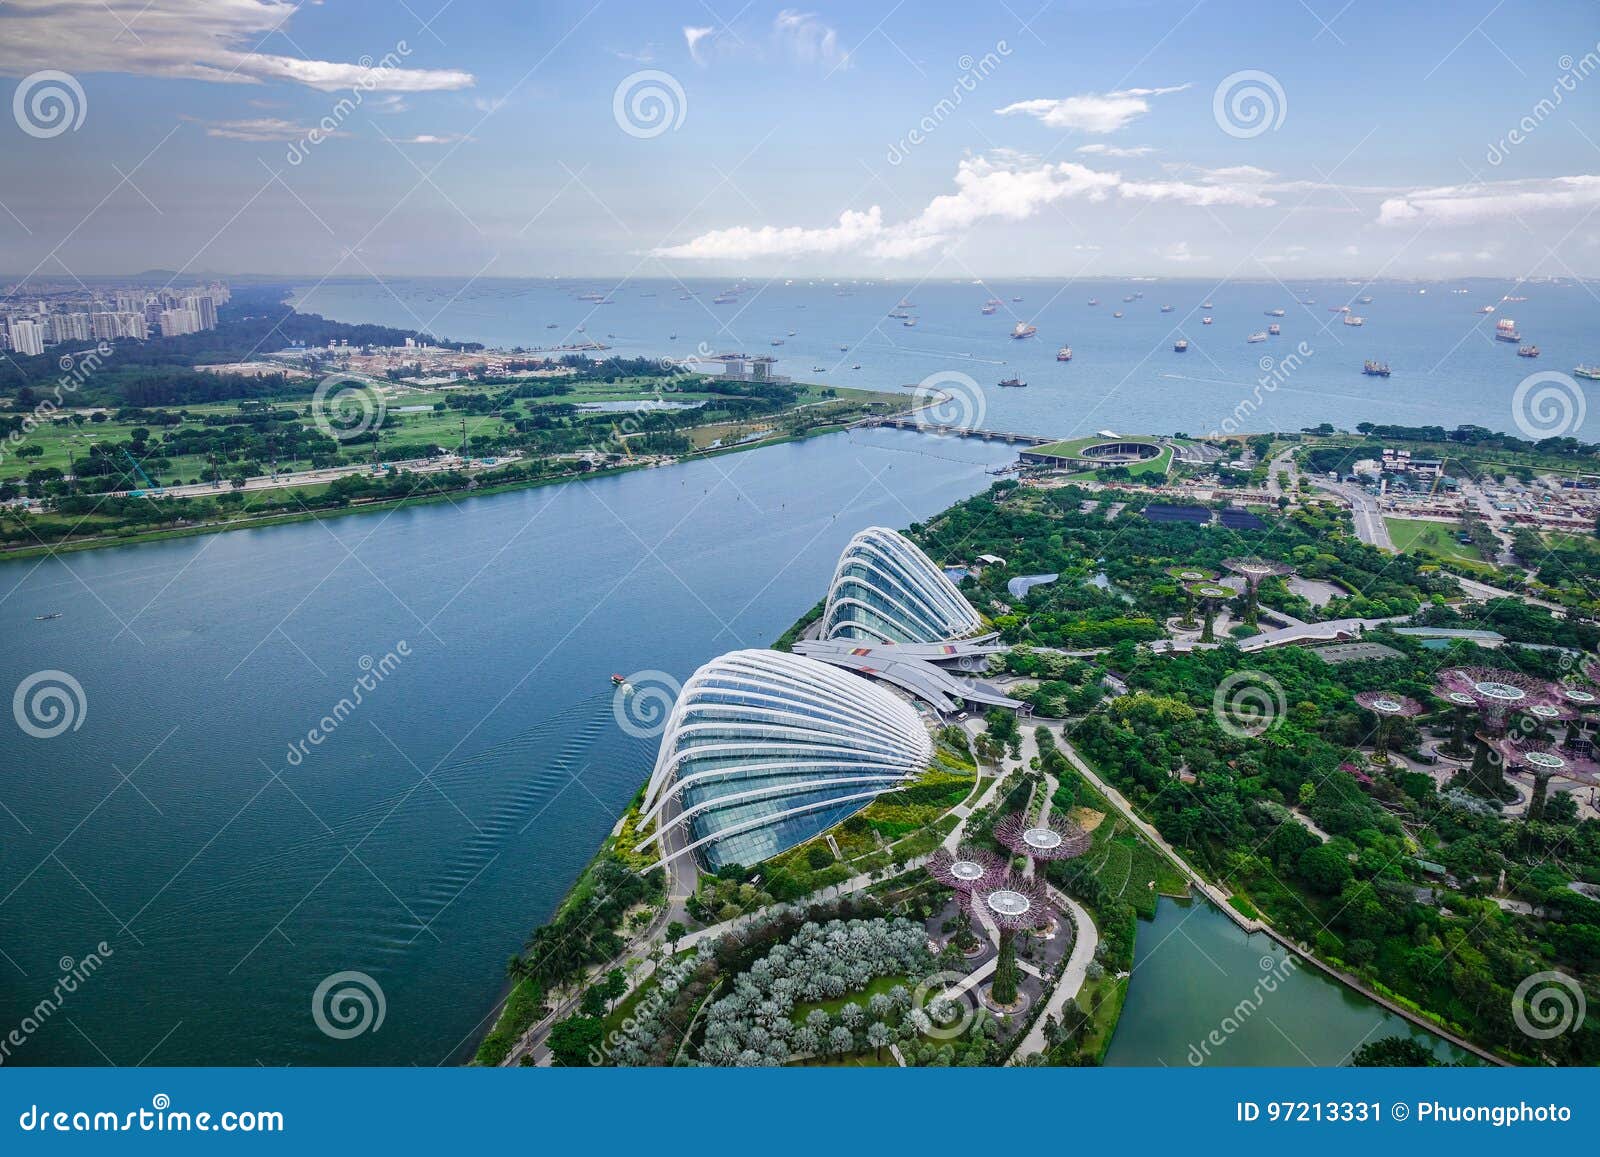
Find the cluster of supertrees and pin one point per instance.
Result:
(1506, 720)
(1202, 587)
(990, 892)
(1253, 570)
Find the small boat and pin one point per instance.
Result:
(552, 325)
(898, 314)
(1181, 345)
(1375, 369)
(1127, 299)
(1013, 383)
(844, 348)
(1205, 321)
(1274, 329)
(47, 618)
(1363, 301)
(1064, 354)
(619, 681)
(777, 341)
(1138, 296)
(1508, 297)
(1016, 299)
(1338, 309)
(1094, 301)
(1259, 335)
(1117, 314)
(1022, 330)
(1592, 373)
(1352, 319)
(1487, 309)
(818, 370)
(1207, 305)
(908, 322)
(1166, 309)
(1527, 351)
(791, 333)
(672, 337)
(1274, 313)
(857, 366)
(987, 310)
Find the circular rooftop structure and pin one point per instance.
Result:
(1120, 451)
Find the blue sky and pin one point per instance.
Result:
(868, 139)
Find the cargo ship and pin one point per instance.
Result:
(1376, 369)
(1181, 345)
(1527, 351)
(1023, 329)
(1590, 372)
(1506, 330)
(1259, 335)
(1012, 383)
(1064, 354)
(1274, 313)
(1352, 319)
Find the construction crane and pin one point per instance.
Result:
(142, 476)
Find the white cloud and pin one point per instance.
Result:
(260, 129)
(433, 139)
(988, 188)
(1494, 201)
(807, 37)
(693, 37)
(1181, 253)
(1091, 112)
(1101, 150)
(188, 39)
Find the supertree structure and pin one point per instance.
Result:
(1187, 576)
(1055, 838)
(1210, 595)
(966, 868)
(1582, 695)
(1388, 707)
(1545, 761)
(1494, 695)
(1012, 904)
(1253, 570)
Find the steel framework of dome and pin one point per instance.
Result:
(886, 590)
(1055, 839)
(764, 750)
(1388, 707)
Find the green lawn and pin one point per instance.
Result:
(1411, 535)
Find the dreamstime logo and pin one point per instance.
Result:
(374, 76)
(1248, 704)
(1274, 373)
(346, 407)
(1547, 1004)
(73, 975)
(643, 701)
(1274, 972)
(949, 399)
(1248, 103)
(1548, 405)
(75, 370)
(49, 103)
(1572, 74)
(938, 1014)
(47, 703)
(648, 103)
(972, 73)
(348, 1004)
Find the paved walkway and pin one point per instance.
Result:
(1072, 975)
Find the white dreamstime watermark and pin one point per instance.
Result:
(1547, 1004)
(347, 1004)
(76, 369)
(160, 1117)
(376, 671)
(1548, 405)
(1248, 103)
(49, 103)
(648, 103)
(1248, 704)
(1573, 73)
(972, 73)
(1274, 973)
(374, 77)
(949, 400)
(49, 703)
(643, 701)
(345, 407)
(650, 1007)
(938, 1014)
(74, 973)
(1274, 373)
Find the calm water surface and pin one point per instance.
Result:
(442, 818)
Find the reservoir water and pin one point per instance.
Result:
(419, 836)
(1204, 992)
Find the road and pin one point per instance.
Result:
(1370, 527)
(305, 477)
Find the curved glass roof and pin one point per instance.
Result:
(765, 749)
(886, 590)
